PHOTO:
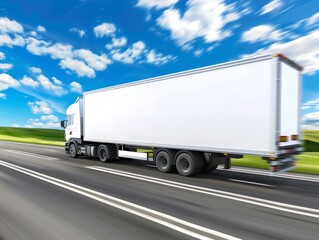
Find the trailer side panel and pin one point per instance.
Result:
(229, 109)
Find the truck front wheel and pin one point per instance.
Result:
(73, 150)
(164, 161)
(189, 163)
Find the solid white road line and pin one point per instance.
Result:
(249, 182)
(282, 175)
(31, 154)
(309, 212)
(174, 223)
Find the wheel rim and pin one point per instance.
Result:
(163, 161)
(103, 155)
(184, 164)
(72, 150)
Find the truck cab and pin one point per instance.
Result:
(73, 123)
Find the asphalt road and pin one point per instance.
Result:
(45, 194)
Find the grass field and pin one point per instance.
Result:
(33, 135)
(308, 161)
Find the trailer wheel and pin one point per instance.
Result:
(209, 167)
(209, 164)
(102, 153)
(189, 163)
(73, 150)
(164, 161)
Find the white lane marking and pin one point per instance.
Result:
(310, 212)
(174, 223)
(31, 154)
(283, 175)
(249, 182)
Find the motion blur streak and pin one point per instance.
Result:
(176, 224)
(310, 212)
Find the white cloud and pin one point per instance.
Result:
(6, 40)
(27, 81)
(95, 61)
(40, 107)
(3, 96)
(311, 117)
(273, 5)
(80, 32)
(104, 29)
(79, 67)
(314, 19)
(158, 58)
(56, 51)
(132, 54)
(265, 33)
(303, 50)
(158, 4)
(33, 33)
(310, 22)
(41, 28)
(116, 43)
(48, 85)
(2, 56)
(202, 19)
(138, 52)
(15, 125)
(9, 31)
(198, 52)
(45, 121)
(51, 118)
(311, 104)
(8, 26)
(81, 61)
(6, 81)
(57, 81)
(76, 87)
(35, 70)
(5, 66)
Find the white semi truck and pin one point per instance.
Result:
(195, 120)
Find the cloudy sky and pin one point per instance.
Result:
(52, 51)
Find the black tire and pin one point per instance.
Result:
(209, 167)
(102, 153)
(209, 163)
(73, 151)
(188, 164)
(164, 161)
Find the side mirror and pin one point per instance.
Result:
(63, 123)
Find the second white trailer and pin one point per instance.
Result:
(249, 106)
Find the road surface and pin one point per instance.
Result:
(45, 194)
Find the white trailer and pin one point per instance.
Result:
(197, 119)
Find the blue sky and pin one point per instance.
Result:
(52, 51)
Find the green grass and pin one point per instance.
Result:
(33, 135)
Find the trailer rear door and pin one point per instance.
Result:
(289, 117)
